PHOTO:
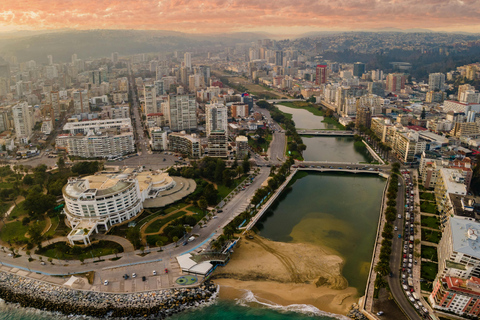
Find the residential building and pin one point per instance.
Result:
(187, 58)
(457, 295)
(181, 112)
(98, 144)
(358, 69)
(241, 147)
(119, 125)
(435, 96)
(239, 110)
(364, 117)
(436, 81)
(459, 249)
(216, 117)
(449, 181)
(80, 102)
(218, 144)
(465, 129)
(119, 97)
(23, 121)
(187, 144)
(150, 95)
(321, 74)
(395, 82)
(158, 139)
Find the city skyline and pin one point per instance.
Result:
(213, 16)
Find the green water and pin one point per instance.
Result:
(339, 211)
(305, 119)
(221, 310)
(336, 149)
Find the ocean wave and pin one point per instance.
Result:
(249, 297)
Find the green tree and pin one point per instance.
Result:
(246, 164)
(35, 233)
(175, 239)
(133, 235)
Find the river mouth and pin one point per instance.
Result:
(338, 212)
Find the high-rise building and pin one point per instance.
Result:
(364, 117)
(187, 59)
(181, 112)
(241, 146)
(279, 58)
(74, 58)
(22, 120)
(218, 144)
(160, 87)
(80, 102)
(358, 69)
(114, 57)
(436, 81)
(150, 95)
(321, 74)
(55, 103)
(395, 82)
(4, 77)
(216, 116)
(50, 59)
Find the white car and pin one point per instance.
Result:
(134, 275)
(105, 283)
(154, 272)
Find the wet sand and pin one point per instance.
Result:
(285, 274)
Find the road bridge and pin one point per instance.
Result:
(333, 133)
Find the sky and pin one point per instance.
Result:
(218, 16)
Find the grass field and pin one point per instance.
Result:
(17, 212)
(429, 253)
(157, 224)
(431, 222)
(61, 250)
(428, 271)
(429, 207)
(431, 236)
(15, 231)
(427, 196)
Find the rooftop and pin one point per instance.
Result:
(454, 181)
(465, 236)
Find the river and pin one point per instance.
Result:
(335, 149)
(338, 211)
(305, 119)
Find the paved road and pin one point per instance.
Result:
(396, 259)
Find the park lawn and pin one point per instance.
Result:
(429, 207)
(55, 221)
(431, 236)
(98, 249)
(154, 238)
(4, 206)
(429, 253)
(195, 209)
(427, 196)
(223, 190)
(18, 211)
(262, 147)
(15, 231)
(428, 270)
(175, 207)
(160, 222)
(431, 222)
(303, 105)
(426, 286)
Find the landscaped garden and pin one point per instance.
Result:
(61, 250)
(431, 236)
(429, 253)
(428, 207)
(431, 222)
(428, 271)
(430, 196)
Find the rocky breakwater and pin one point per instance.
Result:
(158, 304)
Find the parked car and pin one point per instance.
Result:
(105, 283)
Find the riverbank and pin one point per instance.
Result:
(286, 274)
(44, 296)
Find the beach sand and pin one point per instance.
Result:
(286, 273)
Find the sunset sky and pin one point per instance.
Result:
(275, 16)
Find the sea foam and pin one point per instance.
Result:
(249, 297)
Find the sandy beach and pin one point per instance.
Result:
(287, 273)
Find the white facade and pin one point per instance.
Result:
(97, 125)
(158, 139)
(181, 112)
(187, 57)
(436, 81)
(23, 121)
(94, 145)
(150, 95)
(216, 116)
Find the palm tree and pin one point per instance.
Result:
(175, 239)
(115, 252)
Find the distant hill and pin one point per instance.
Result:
(100, 43)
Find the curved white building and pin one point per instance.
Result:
(106, 199)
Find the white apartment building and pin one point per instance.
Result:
(158, 139)
(75, 127)
(187, 58)
(185, 143)
(216, 116)
(98, 145)
(23, 121)
(436, 81)
(150, 96)
(181, 112)
(459, 249)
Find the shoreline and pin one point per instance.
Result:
(30, 293)
(278, 272)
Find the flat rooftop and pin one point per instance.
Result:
(465, 236)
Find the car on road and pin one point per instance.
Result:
(144, 278)
(154, 272)
(399, 216)
(125, 276)
(134, 275)
(105, 283)
(219, 211)
(396, 228)
(379, 313)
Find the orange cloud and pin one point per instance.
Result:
(238, 15)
